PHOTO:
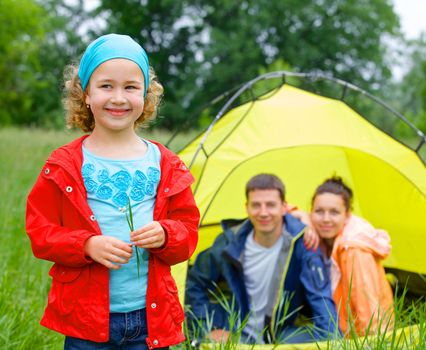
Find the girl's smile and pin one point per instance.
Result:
(116, 111)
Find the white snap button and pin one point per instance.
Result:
(155, 342)
(153, 305)
(92, 217)
(69, 189)
(166, 190)
(47, 171)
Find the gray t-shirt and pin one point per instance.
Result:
(258, 265)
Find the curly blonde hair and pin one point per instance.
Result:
(78, 115)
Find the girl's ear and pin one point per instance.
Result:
(86, 99)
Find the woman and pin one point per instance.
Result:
(353, 250)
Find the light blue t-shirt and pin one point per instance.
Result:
(110, 184)
(259, 266)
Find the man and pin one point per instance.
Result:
(260, 270)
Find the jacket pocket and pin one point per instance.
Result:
(318, 274)
(175, 307)
(65, 288)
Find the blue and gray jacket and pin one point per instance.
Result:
(215, 284)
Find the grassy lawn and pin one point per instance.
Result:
(24, 280)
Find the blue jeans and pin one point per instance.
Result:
(127, 331)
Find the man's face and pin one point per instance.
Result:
(265, 210)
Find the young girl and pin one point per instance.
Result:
(353, 249)
(112, 288)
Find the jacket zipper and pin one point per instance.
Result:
(280, 292)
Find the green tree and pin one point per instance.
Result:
(37, 40)
(412, 89)
(21, 29)
(344, 38)
(62, 45)
(201, 49)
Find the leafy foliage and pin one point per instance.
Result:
(199, 49)
(21, 27)
(36, 42)
(413, 87)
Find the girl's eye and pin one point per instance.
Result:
(106, 86)
(131, 87)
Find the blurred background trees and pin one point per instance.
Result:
(200, 49)
(412, 89)
(22, 25)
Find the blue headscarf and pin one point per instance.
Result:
(108, 47)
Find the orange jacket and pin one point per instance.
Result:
(356, 272)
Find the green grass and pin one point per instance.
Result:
(407, 331)
(24, 280)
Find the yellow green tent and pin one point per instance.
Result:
(304, 138)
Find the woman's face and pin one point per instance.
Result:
(329, 215)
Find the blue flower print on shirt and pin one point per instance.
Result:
(121, 180)
(103, 176)
(87, 170)
(121, 199)
(139, 179)
(91, 185)
(153, 174)
(138, 189)
(104, 192)
(137, 185)
(150, 189)
(137, 194)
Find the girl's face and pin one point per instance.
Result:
(329, 215)
(115, 95)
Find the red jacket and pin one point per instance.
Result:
(59, 221)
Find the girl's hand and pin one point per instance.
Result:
(151, 235)
(311, 238)
(108, 251)
(219, 335)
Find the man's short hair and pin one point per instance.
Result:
(266, 182)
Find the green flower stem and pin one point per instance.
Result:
(129, 218)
